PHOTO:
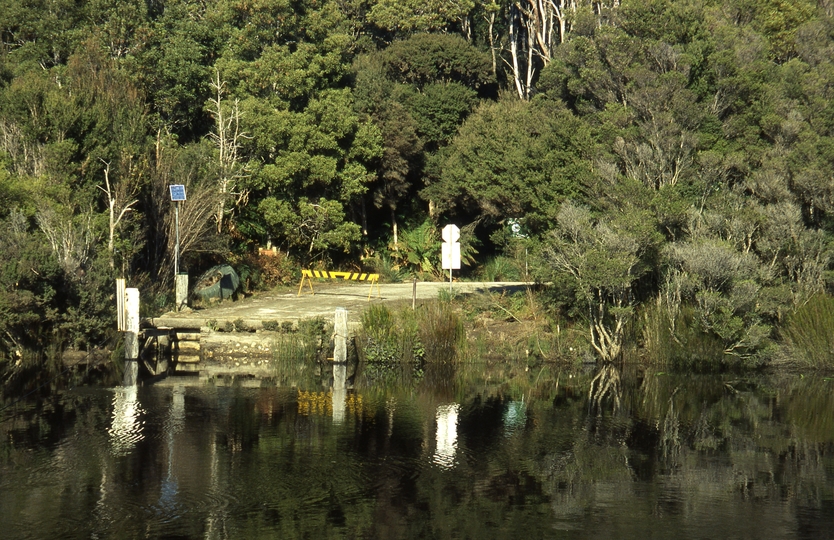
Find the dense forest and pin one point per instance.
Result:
(662, 163)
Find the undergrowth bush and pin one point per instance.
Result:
(501, 268)
(264, 272)
(388, 338)
(296, 355)
(683, 343)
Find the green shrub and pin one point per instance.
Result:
(240, 325)
(383, 265)
(314, 327)
(501, 268)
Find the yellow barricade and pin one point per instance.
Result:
(347, 276)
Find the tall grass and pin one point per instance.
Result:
(296, 355)
(808, 333)
(386, 338)
(440, 331)
(432, 333)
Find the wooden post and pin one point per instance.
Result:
(131, 336)
(414, 294)
(120, 305)
(340, 332)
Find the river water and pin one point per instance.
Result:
(472, 451)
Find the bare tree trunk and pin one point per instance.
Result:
(491, 21)
(227, 137)
(514, 52)
(394, 227)
(115, 203)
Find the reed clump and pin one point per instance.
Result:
(385, 338)
(808, 333)
(440, 331)
(432, 333)
(297, 353)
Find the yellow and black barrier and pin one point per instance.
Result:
(347, 276)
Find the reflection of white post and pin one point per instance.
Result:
(126, 428)
(340, 331)
(174, 424)
(131, 336)
(339, 392)
(447, 435)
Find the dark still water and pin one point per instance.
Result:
(449, 453)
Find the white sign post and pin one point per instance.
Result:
(451, 250)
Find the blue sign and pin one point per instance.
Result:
(177, 192)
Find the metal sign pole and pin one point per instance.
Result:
(177, 247)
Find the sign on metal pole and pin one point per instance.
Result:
(450, 253)
(177, 192)
(451, 248)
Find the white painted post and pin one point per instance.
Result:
(340, 332)
(131, 336)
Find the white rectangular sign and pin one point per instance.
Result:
(450, 256)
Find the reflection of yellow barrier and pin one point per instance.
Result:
(347, 276)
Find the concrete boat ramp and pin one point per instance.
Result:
(239, 336)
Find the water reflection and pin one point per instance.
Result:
(339, 391)
(515, 417)
(596, 454)
(446, 438)
(174, 423)
(126, 427)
